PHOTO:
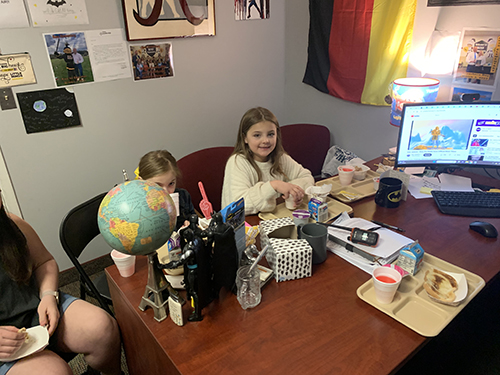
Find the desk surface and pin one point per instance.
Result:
(313, 325)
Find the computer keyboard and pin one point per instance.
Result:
(467, 203)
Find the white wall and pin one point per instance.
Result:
(363, 129)
(216, 80)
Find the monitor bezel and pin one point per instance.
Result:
(439, 166)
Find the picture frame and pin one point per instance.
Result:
(160, 19)
(443, 3)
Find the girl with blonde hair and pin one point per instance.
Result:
(161, 167)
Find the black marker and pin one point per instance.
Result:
(388, 226)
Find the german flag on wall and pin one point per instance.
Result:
(358, 47)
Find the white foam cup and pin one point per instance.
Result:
(385, 291)
(124, 262)
(290, 203)
(346, 173)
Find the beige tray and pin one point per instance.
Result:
(334, 208)
(414, 308)
(360, 189)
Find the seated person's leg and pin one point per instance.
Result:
(88, 329)
(42, 363)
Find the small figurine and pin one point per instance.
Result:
(197, 271)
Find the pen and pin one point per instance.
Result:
(388, 226)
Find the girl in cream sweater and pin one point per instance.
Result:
(259, 170)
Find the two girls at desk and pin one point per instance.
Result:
(259, 170)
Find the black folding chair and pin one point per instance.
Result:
(77, 229)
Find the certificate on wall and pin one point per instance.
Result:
(13, 14)
(16, 70)
(58, 12)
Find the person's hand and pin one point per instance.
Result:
(11, 340)
(286, 189)
(48, 313)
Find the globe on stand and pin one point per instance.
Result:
(137, 218)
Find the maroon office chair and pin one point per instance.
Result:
(307, 144)
(207, 166)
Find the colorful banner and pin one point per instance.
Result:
(357, 48)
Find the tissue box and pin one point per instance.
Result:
(289, 257)
(411, 258)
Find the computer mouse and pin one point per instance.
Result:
(484, 228)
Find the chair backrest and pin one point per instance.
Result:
(77, 229)
(307, 144)
(79, 226)
(207, 166)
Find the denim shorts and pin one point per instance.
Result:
(65, 300)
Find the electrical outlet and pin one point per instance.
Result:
(7, 100)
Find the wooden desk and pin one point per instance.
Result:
(315, 325)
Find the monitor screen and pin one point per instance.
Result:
(452, 134)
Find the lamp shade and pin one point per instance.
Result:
(411, 90)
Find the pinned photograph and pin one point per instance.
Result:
(251, 10)
(152, 61)
(478, 58)
(69, 57)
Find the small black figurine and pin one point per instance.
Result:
(197, 272)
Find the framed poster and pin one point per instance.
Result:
(159, 19)
(443, 3)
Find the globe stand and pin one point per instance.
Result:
(156, 285)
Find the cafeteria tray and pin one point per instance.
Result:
(413, 307)
(356, 190)
(334, 208)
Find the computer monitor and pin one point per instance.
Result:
(449, 135)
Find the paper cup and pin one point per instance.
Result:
(124, 262)
(290, 203)
(386, 282)
(300, 217)
(346, 173)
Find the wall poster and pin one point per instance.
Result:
(16, 70)
(479, 54)
(251, 9)
(443, 3)
(158, 19)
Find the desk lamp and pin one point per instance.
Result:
(411, 90)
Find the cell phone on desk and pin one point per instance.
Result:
(363, 237)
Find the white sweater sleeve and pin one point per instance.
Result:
(241, 181)
(296, 173)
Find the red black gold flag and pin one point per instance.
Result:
(358, 47)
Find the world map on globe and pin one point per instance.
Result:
(136, 217)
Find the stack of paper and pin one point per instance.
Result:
(386, 251)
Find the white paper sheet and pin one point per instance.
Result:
(57, 12)
(455, 183)
(109, 54)
(13, 14)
